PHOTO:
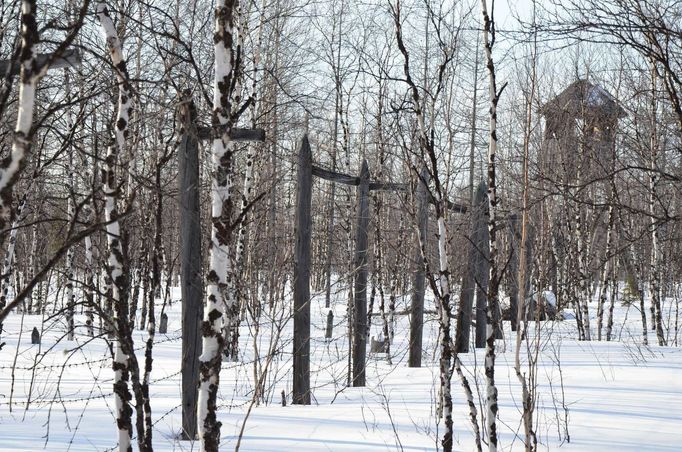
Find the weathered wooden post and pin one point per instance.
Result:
(514, 241)
(529, 305)
(301, 379)
(190, 266)
(531, 313)
(469, 281)
(481, 267)
(330, 325)
(360, 314)
(35, 336)
(417, 302)
(163, 323)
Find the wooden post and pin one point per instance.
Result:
(301, 380)
(360, 314)
(163, 323)
(330, 325)
(514, 242)
(35, 336)
(190, 267)
(530, 313)
(481, 266)
(417, 304)
(529, 302)
(469, 281)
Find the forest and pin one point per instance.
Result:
(342, 225)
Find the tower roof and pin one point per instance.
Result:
(582, 97)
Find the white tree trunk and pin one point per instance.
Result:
(71, 211)
(654, 273)
(444, 312)
(10, 168)
(491, 317)
(220, 266)
(7, 267)
(30, 76)
(115, 258)
(89, 288)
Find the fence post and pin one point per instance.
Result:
(190, 267)
(482, 264)
(417, 305)
(360, 320)
(328, 331)
(470, 278)
(301, 365)
(513, 277)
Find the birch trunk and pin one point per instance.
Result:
(220, 267)
(654, 272)
(232, 333)
(89, 285)
(445, 313)
(115, 264)
(232, 336)
(612, 299)
(69, 274)
(606, 271)
(7, 267)
(491, 318)
(31, 74)
(10, 168)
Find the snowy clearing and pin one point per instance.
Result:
(619, 396)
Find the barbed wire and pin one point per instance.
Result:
(83, 399)
(82, 363)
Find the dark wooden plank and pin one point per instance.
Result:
(417, 302)
(514, 234)
(190, 268)
(333, 176)
(236, 134)
(301, 352)
(360, 302)
(481, 261)
(70, 58)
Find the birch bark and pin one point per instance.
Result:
(115, 264)
(491, 318)
(220, 266)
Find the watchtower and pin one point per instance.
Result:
(579, 138)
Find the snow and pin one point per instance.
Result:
(620, 396)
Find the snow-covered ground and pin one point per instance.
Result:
(617, 396)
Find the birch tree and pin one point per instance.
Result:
(493, 295)
(123, 353)
(655, 255)
(428, 158)
(220, 270)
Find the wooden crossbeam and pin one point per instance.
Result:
(388, 186)
(70, 58)
(236, 134)
(346, 179)
(455, 206)
(335, 177)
